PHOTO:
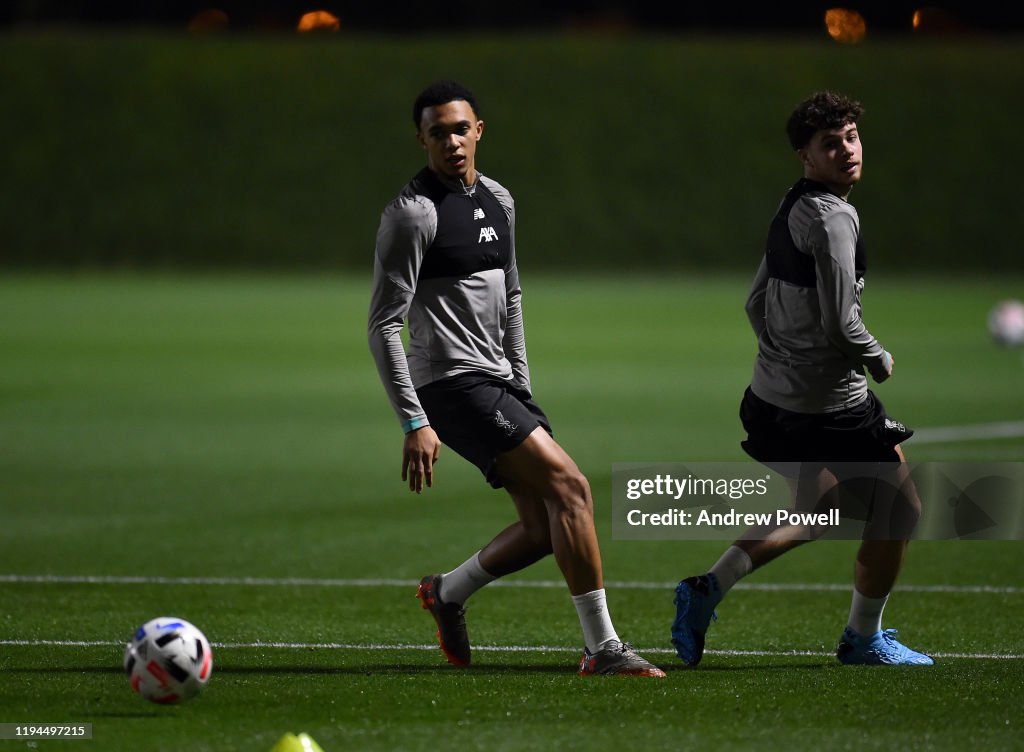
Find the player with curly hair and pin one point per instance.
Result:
(808, 412)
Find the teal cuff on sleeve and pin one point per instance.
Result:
(412, 425)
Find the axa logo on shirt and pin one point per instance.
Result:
(487, 234)
(478, 214)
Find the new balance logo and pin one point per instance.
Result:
(894, 425)
(487, 234)
(478, 214)
(502, 422)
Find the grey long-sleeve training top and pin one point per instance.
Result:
(805, 307)
(445, 260)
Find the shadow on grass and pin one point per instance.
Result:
(369, 669)
(62, 670)
(402, 668)
(366, 669)
(705, 668)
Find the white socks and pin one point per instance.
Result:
(866, 614)
(734, 565)
(464, 580)
(595, 620)
(592, 607)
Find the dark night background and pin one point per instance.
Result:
(266, 15)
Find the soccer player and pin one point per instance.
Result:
(445, 260)
(808, 407)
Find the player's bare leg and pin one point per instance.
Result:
(897, 509)
(520, 544)
(696, 597)
(546, 483)
(879, 560)
(516, 547)
(814, 491)
(444, 595)
(540, 475)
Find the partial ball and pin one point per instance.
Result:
(168, 660)
(1006, 323)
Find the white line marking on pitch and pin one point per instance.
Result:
(480, 648)
(531, 584)
(976, 432)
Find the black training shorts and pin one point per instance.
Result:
(481, 417)
(862, 433)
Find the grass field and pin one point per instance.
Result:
(219, 449)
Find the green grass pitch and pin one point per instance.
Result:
(219, 449)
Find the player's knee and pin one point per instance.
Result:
(910, 505)
(898, 509)
(907, 499)
(570, 493)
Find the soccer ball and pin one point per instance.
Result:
(1006, 323)
(168, 660)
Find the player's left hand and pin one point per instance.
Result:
(880, 375)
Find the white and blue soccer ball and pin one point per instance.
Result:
(168, 660)
(1006, 323)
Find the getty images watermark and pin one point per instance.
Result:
(845, 501)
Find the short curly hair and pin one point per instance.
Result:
(442, 92)
(823, 110)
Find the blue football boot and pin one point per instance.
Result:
(880, 649)
(696, 598)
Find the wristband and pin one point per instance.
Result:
(412, 425)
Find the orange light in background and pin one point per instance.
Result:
(319, 20)
(845, 25)
(212, 19)
(931, 20)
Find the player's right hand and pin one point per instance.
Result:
(419, 453)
